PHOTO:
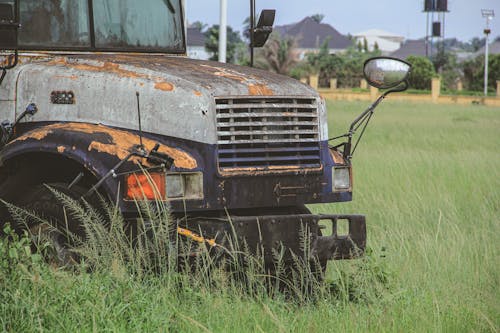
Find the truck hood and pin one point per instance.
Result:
(177, 95)
(216, 78)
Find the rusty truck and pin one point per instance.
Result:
(98, 96)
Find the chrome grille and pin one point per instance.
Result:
(267, 133)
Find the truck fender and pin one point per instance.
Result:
(97, 148)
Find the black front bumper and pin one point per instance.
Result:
(289, 235)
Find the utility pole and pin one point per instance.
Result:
(223, 31)
(488, 14)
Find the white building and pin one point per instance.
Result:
(387, 42)
(196, 44)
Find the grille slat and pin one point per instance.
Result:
(265, 106)
(265, 150)
(237, 142)
(267, 123)
(267, 134)
(266, 158)
(254, 133)
(265, 114)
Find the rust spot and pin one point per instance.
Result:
(69, 77)
(164, 86)
(37, 134)
(198, 93)
(227, 73)
(61, 149)
(112, 68)
(279, 169)
(122, 142)
(337, 157)
(259, 90)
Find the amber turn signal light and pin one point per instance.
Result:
(142, 186)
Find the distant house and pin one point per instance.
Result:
(196, 44)
(493, 48)
(387, 42)
(415, 47)
(310, 35)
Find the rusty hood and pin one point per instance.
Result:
(215, 78)
(177, 94)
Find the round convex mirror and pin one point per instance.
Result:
(385, 72)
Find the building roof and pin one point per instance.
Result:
(376, 33)
(311, 34)
(411, 47)
(493, 48)
(195, 37)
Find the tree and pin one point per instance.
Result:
(325, 64)
(440, 58)
(212, 43)
(359, 46)
(477, 43)
(365, 45)
(474, 72)
(450, 72)
(279, 54)
(198, 25)
(421, 73)
(347, 67)
(318, 17)
(246, 28)
(376, 48)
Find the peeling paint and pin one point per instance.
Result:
(122, 142)
(337, 157)
(285, 169)
(61, 149)
(259, 90)
(69, 77)
(113, 68)
(228, 73)
(164, 86)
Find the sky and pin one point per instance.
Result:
(404, 17)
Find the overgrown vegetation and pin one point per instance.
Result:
(422, 72)
(427, 178)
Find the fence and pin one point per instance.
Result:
(370, 93)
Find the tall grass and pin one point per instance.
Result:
(427, 178)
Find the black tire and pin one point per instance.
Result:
(61, 229)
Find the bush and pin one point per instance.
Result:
(421, 73)
(474, 72)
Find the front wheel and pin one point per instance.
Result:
(49, 221)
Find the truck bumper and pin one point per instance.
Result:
(291, 235)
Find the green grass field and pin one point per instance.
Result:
(428, 179)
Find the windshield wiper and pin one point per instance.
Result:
(168, 3)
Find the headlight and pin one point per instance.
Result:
(184, 185)
(341, 178)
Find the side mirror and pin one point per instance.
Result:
(386, 72)
(8, 34)
(264, 27)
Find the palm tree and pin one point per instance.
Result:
(279, 55)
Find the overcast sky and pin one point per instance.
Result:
(404, 17)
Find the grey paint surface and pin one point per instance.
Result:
(176, 94)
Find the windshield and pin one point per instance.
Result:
(128, 25)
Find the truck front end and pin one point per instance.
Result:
(116, 109)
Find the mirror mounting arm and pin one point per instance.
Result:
(362, 120)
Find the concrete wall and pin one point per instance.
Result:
(435, 97)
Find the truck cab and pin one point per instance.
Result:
(102, 99)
